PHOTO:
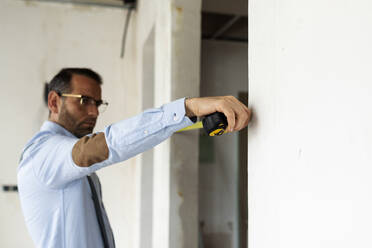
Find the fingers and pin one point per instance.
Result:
(240, 120)
(238, 115)
(230, 115)
(244, 117)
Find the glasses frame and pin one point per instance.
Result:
(97, 103)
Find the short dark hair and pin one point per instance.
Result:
(61, 82)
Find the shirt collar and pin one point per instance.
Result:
(55, 128)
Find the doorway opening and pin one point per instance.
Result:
(223, 210)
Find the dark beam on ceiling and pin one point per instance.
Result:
(225, 27)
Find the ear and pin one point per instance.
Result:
(53, 102)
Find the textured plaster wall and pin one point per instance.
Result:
(145, 48)
(309, 148)
(176, 27)
(185, 82)
(37, 39)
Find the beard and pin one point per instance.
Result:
(77, 127)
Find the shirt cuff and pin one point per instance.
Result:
(174, 112)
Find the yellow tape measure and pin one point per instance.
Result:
(219, 131)
(214, 124)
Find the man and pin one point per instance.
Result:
(60, 193)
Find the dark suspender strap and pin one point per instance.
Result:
(97, 207)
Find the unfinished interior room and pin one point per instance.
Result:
(186, 123)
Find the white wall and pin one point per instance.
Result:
(37, 39)
(310, 144)
(176, 45)
(223, 72)
(184, 81)
(167, 52)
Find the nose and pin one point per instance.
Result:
(93, 110)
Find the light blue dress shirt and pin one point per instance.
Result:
(54, 192)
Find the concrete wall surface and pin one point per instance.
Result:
(37, 39)
(310, 144)
(223, 72)
(175, 27)
(185, 36)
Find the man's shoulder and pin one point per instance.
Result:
(38, 138)
(37, 142)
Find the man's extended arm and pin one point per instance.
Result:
(62, 159)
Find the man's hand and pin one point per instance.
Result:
(238, 115)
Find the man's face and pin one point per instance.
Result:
(76, 118)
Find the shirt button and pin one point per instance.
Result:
(175, 118)
(145, 132)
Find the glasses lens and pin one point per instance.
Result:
(102, 108)
(85, 100)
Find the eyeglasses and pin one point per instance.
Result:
(87, 100)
